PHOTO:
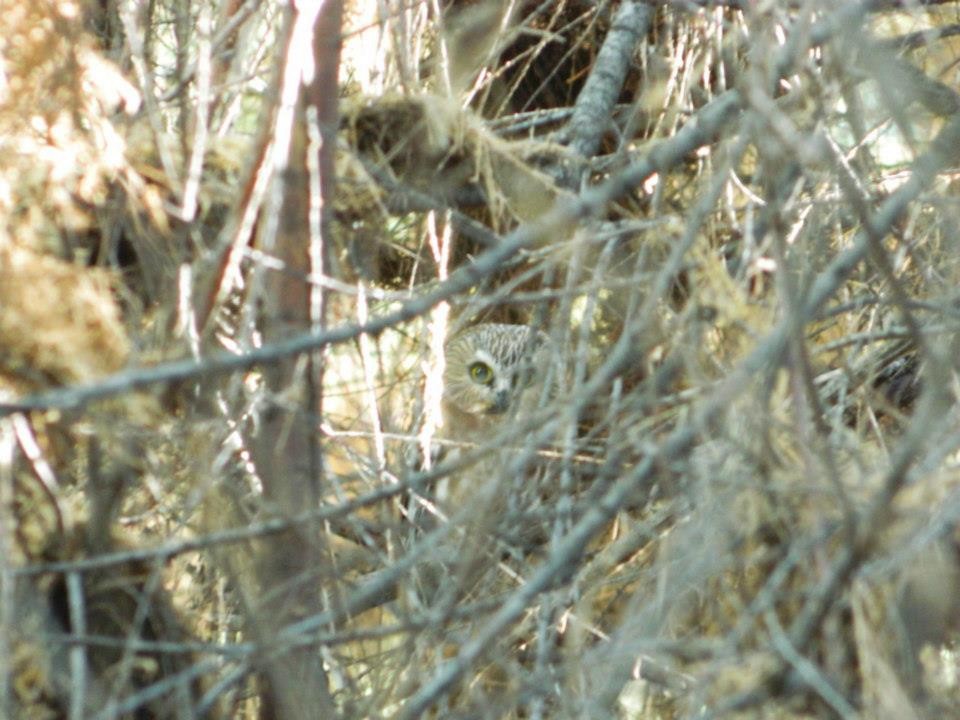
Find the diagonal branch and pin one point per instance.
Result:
(702, 129)
(594, 107)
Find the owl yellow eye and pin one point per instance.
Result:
(481, 373)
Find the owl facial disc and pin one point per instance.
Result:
(490, 371)
(496, 382)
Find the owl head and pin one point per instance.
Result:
(490, 366)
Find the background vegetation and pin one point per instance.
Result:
(233, 237)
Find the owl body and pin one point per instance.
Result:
(492, 372)
(493, 380)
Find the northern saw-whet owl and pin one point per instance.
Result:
(492, 372)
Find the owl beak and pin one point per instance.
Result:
(501, 401)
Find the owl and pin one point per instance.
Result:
(492, 372)
(494, 378)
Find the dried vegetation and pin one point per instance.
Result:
(223, 488)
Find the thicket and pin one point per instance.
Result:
(234, 235)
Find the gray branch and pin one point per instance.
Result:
(594, 107)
